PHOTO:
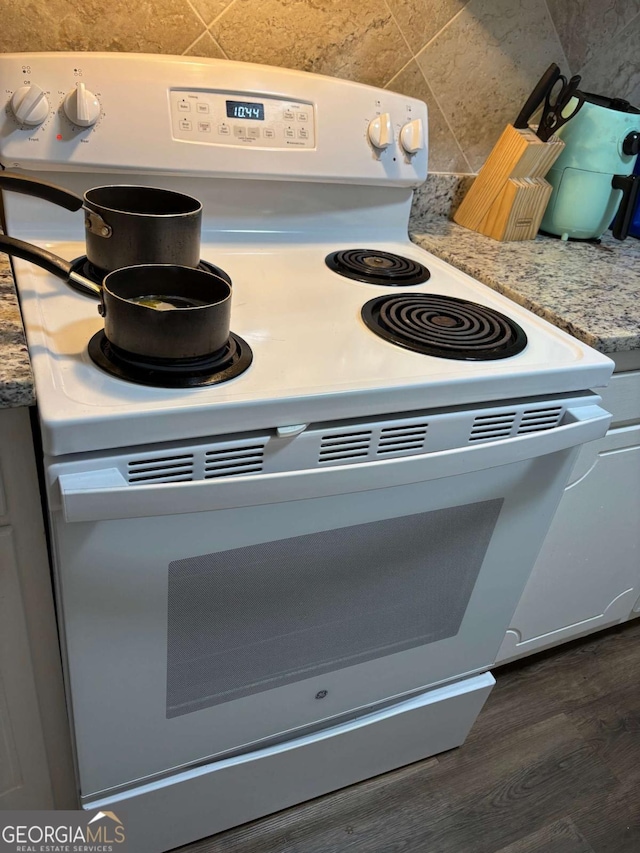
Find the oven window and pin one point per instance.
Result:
(251, 619)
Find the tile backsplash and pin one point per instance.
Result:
(472, 61)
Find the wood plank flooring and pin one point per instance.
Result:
(552, 765)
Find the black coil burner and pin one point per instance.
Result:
(83, 266)
(375, 267)
(230, 361)
(444, 326)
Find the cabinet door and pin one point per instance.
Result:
(24, 771)
(587, 575)
(36, 768)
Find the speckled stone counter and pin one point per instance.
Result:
(16, 379)
(591, 291)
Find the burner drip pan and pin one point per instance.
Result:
(444, 326)
(375, 267)
(230, 361)
(83, 266)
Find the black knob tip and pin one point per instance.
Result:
(631, 144)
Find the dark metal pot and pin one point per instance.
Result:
(126, 225)
(198, 328)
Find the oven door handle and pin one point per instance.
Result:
(105, 495)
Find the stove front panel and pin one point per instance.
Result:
(202, 634)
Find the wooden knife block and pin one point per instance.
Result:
(508, 198)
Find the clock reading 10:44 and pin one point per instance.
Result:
(243, 109)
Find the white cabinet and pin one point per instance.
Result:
(587, 575)
(35, 754)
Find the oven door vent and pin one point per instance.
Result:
(510, 423)
(344, 446)
(405, 437)
(402, 439)
(223, 459)
(497, 425)
(534, 420)
(325, 445)
(232, 460)
(160, 469)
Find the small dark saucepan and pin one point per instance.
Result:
(151, 310)
(126, 225)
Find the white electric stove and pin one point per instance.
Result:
(276, 585)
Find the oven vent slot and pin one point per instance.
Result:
(505, 424)
(160, 469)
(347, 446)
(534, 420)
(234, 460)
(400, 439)
(498, 425)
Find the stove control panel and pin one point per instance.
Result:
(242, 119)
(205, 118)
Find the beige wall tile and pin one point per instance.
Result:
(483, 65)
(161, 26)
(420, 20)
(355, 39)
(209, 9)
(586, 26)
(445, 154)
(476, 59)
(205, 46)
(615, 72)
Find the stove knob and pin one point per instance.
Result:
(30, 105)
(379, 131)
(412, 136)
(631, 144)
(81, 106)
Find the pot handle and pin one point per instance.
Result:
(40, 189)
(48, 261)
(630, 186)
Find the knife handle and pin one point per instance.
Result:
(537, 96)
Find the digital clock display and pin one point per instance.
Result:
(243, 109)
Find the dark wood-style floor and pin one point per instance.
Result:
(552, 765)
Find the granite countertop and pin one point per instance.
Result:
(590, 290)
(16, 379)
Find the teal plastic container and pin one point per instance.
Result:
(583, 201)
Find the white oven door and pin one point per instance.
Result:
(242, 611)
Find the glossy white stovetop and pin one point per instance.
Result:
(314, 358)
